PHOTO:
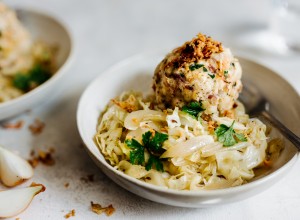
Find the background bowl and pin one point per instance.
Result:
(47, 29)
(136, 74)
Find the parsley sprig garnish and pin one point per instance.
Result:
(225, 73)
(36, 76)
(212, 76)
(228, 136)
(193, 108)
(195, 66)
(151, 144)
(154, 144)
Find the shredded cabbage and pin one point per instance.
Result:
(193, 157)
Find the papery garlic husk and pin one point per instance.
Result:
(13, 169)
(15, 201)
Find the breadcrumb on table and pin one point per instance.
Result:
(37, 127)
(45, 158)
(98, 209)
(88, 178)
(70, 214)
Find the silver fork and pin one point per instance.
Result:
(257, 105)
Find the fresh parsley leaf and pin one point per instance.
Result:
(156, 162)
(227, 138)
(133, 144)
(204, 69)
(227, 135)
(36, 76)
(137, 153)
(158, 140)
(154, 145)
(193, 108)
(221, 130)
(241, 137)
(212, 76)
(39, 74)
(226, 73)
(146, 137)
(21, 81)
(137, 157)
(195, 66)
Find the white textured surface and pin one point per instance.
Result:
(105, 33)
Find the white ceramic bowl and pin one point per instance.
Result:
(136, 73)
(53, 32)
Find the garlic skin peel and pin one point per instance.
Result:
(14, 201)
(13, 169)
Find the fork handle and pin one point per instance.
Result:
(282, 128)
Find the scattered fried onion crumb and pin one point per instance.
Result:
(200, 47)
(70, 214)
(33, 162)
(36, 127)
(16, 125)
(128, 105)
(43, 157)
(98, 209)
(88, 178)
(67, 185)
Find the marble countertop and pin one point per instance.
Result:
(106, 32)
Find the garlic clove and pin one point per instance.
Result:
(14, 201)
(13, 169)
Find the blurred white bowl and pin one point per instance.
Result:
(136, 74)
(47, 29)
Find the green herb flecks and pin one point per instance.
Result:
(225, 73)
(39, 74)
(36, 76)
(22, 81)
(195, 66)
(228, 136)
(151, 144)
(193, 108)
(212, 76)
